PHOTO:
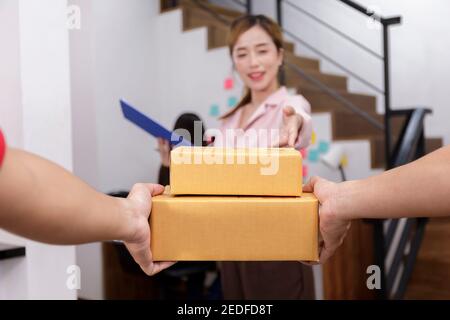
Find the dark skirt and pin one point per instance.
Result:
(267, 280)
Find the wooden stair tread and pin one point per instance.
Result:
(302, 62)
(293, 79)
(323, 102)
(431, 274)
(378, 154)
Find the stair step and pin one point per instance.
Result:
(289, 47)
(431, 274)
(350, 126)
(195, 17)
(302, 62)
(378, 154)
(293, 79)
(227, 13)
(323, 102)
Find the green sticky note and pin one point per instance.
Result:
(313, 155)
(232, 102)
(324, 147)
(214, 110)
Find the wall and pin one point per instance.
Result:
(35, 115)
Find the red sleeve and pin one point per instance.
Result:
(2, 147)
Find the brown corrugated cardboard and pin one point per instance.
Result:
(226, 171)
(230, 228)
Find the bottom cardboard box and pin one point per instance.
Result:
(234, 228)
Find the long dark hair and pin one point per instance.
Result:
(185, 121)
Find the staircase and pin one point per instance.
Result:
(344, 276)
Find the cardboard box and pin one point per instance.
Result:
(214, 228)
(227, 171)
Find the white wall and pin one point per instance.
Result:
(85, 162)
(35, 115)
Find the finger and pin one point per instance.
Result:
(282, 140)
(309, 186)
(145, 190)
(288, 111)
(310, 263)
(154, 189)
(160, 266)
(293, 134)
(142, 255)
(325, 255)
(166, 144)
(333, 239)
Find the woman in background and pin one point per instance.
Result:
(256, 48)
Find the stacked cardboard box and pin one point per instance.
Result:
(235, 205)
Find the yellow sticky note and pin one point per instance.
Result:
(344, 161)
(313, 138)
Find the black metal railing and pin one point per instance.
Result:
(385, 23)
(409, 147)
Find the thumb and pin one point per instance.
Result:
(309, 186)
(154, 189)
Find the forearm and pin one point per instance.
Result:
(421, 188)
(44, 202)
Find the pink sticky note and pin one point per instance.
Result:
(304, 153)
(228, 84)
(305, 171)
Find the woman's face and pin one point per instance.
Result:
(257, 59)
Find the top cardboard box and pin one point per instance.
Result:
(241, 171)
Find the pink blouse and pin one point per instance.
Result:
(263, 126)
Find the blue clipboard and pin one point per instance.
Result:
(151, 126)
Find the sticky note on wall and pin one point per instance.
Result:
(304, 153)
(228, 84)
(313, 138)
(323, 147)
(313, 155)
(232, 102)
(214, 110)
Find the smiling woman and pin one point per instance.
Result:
(256, 49)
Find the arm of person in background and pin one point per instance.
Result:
(418, 189)
(42, 201)
(297, 124)
(164, 151)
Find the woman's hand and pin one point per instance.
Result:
(333, 227)
(291, 128)
(164, 151)
(137, 208)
